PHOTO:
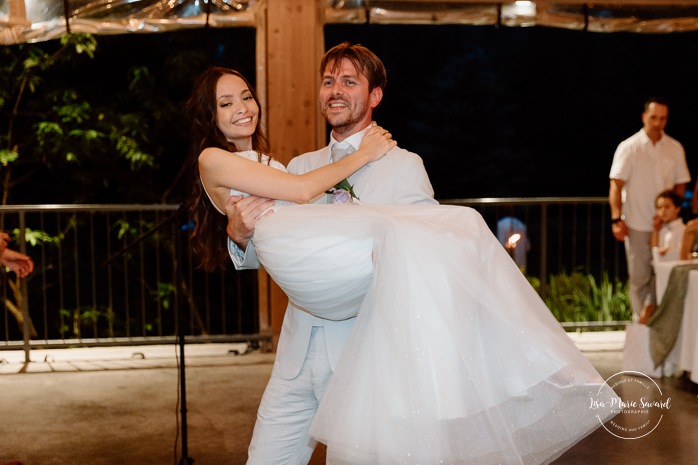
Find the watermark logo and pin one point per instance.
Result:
(639, 406)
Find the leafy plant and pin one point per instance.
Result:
(578, 297)
(70, 135)
(84, 317)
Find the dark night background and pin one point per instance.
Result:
(521, 112)
(493, 111)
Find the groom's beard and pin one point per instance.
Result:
(347, 121)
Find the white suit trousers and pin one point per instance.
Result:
(288, 407)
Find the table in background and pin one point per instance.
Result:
(686, 355)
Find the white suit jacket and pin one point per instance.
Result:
(397, 178)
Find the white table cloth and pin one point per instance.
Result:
(685, 352)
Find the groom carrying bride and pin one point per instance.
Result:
(352, 83)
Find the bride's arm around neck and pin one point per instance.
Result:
(222, 171)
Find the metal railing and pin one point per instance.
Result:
(565, 233)
(108, 274)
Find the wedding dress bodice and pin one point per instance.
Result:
(254, 156)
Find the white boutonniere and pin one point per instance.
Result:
(343, 192)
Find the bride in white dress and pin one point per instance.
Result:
(453, 359)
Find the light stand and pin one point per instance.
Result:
(180, 228)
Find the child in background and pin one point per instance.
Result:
(668, 227)
(666, 236)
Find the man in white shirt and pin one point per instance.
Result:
(644, 165)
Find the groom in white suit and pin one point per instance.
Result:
(353, 79)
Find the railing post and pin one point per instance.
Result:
(26, 323)
(544, 244)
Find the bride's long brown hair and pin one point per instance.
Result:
(209, 237)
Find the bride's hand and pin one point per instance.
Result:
(377, 142)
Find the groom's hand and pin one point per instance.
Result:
(243, 214)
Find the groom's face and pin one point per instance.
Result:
(345, 99)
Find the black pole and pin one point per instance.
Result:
(181, 225)
(183, 393)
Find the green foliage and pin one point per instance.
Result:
(97, 119)
(35, 237)
(83, 43)
(68, 137)
(7, 156)
(165, 294)
(577, 297)
(84, 318)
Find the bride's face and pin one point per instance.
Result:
(237, 111)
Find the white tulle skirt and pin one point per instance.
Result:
(454, 358)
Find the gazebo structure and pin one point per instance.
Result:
(290, 43)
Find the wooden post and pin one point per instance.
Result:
(18, 13)
(290, 44)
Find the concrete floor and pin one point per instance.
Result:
(121, 405)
